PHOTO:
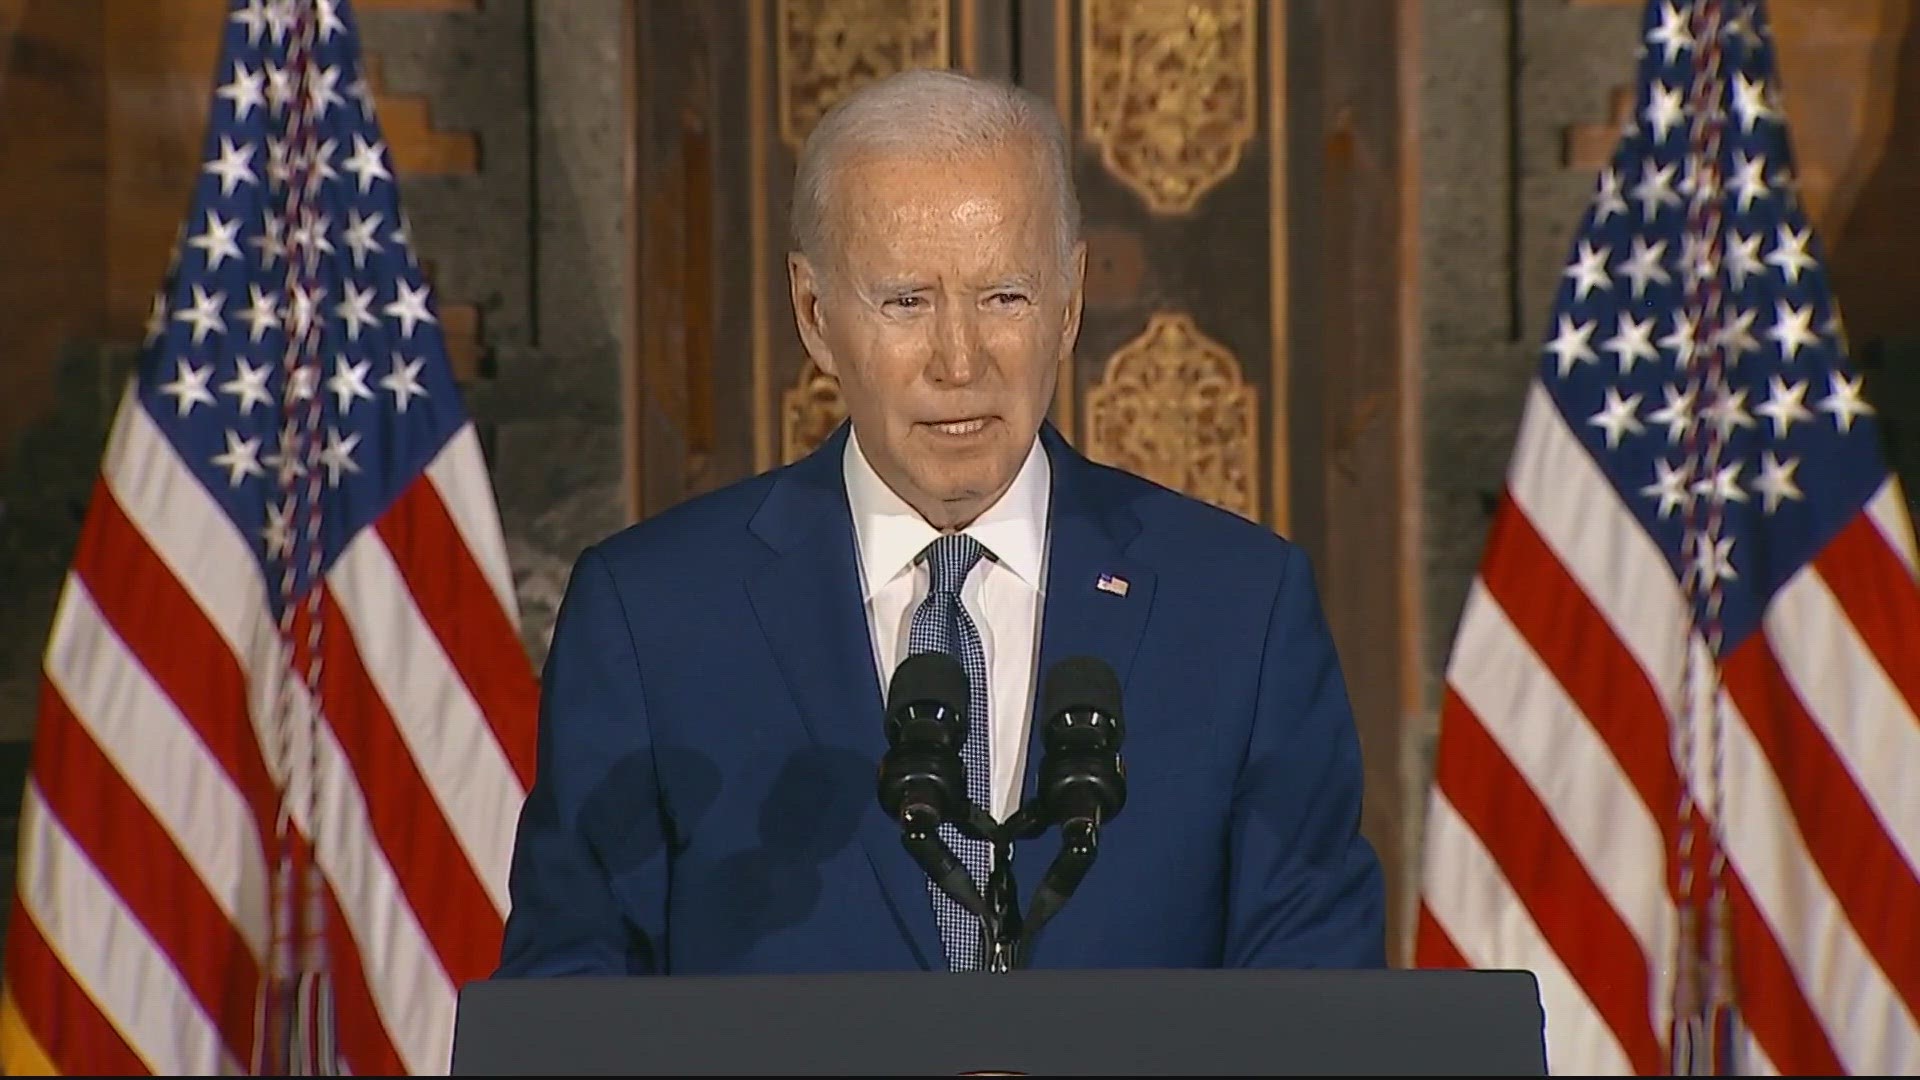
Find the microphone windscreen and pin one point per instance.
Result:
(1081, 683)
(928, 678)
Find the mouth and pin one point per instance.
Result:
(960, 427)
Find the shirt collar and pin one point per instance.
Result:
(892, 534)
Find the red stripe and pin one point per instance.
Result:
(440, 884)
(1574, 916)
(364, 1041)
(1577, 645)
(138, 859)
(71, 1031)
(1865, 869)
(458, 604)
(161, 624)
(1873, 586)
(1777, 1011)
(1432, 947)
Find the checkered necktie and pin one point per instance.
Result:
(941, 624)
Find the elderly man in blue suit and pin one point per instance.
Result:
(711, 719)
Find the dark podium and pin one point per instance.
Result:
(1125, 1022)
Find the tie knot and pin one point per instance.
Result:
(950, 559)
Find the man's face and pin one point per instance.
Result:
(944, 310)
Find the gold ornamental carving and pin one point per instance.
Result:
(809, 411)
(1169, 93)
(829, 48)
(1172, 407)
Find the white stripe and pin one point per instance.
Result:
(188, 530)
(1864, 1017)
(107, 951)
(1853, 702)
(444, 729)
(1888, 509)
(1586, 793)
(156, 751)
(1573, 508)
(459, 474)
(1469, 896)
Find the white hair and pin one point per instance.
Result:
(929, 113)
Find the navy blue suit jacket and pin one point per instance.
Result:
(710, 728)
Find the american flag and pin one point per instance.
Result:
(1675, 750)
(286, 721)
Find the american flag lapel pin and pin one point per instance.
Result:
(1111, 583)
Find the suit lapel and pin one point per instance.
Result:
(1097, 601)
(808, 601)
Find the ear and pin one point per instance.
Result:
(806, 286)
(1076, 298)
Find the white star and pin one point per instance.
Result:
(1743, 258)
(349, 384)
(410, 308)
(330, 23)
(241, 459)
(1680, 342)
(1750, 101)
(232, 166)
(204, 314)
(404, 381)
(1655, 189)
(1589, 270)
(1750, 181)
(1844, 402)
(279, 531)
(355, 310)
(249, 385)
(1724, 487)
(359, 91)
(1570, 345)
(1790, 252)
(1633, 340)
(1784, 405)
(306, 377)
(1618, 418)
(1677, 413)
(1663, 110)
(1713, 560)
(359, 235)
(1792, 328)
(305, 303)
(1607, 201)
(285, 459)
(1669, 486)
(319, 163)
(1728, 410)
(1697, 258)
(280, 16)
(1646, 264)
(313, 230)
(270, 241)
(321, 92)
(365, 162)
(279, 164)
(219, 240)
(254, 17)
(338, 455)
(1737, 335)
(245, 91)
(264, 314)
(156, 318)
(1672, 34)
(280, 89)
(1775, 482)
(190, 387)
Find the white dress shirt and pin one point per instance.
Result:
(1002, 594)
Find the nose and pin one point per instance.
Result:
(957, 355)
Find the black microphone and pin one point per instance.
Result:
(1083, 782)
(922, 778)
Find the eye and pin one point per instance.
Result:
(1007, 298)
(905, 303)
